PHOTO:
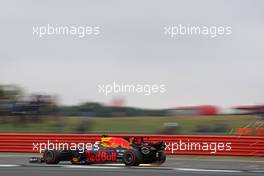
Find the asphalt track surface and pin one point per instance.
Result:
(17, 164)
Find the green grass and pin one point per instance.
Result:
(187, 124)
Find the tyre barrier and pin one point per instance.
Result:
(175, 144)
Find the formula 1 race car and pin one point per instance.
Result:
(132, 152)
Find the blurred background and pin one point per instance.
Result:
(50, 84)
(41, 113)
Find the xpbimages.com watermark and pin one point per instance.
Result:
(212, 147)
(55, 145)
(144, 89)
(194, 30)
(171, 147)
(65, 30)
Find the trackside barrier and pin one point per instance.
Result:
(175, 144)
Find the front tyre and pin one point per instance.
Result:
(161, 158)
(51, 156)
(132, 158)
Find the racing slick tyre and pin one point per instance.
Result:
(132, 158)
(161, 158)
(51, 157)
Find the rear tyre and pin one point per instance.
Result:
(132, 158)
(51, 157)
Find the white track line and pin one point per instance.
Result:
(9, 165)
(217, 160)
(260, 171)
(205, 170)
(180, 169)
(119, 166)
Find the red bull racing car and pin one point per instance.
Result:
(132, 151)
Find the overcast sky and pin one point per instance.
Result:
(132, 48)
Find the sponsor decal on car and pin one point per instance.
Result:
(102, 155)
